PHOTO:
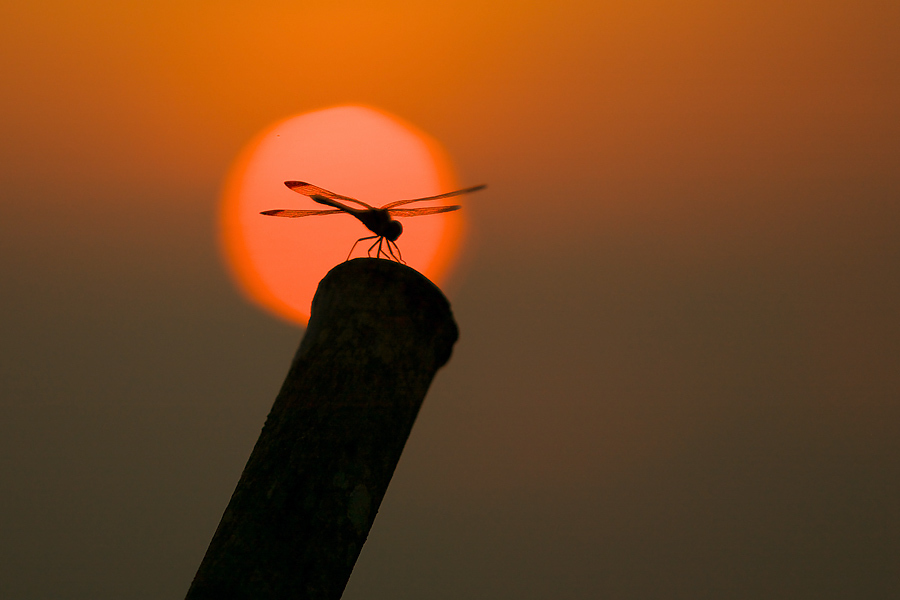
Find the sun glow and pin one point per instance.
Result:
(351, 150)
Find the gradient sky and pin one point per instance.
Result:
(678, 367)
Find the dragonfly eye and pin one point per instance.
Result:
(393, 230)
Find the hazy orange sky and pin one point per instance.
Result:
(677, 371)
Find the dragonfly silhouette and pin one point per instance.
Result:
(380, 221)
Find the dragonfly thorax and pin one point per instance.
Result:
(380, 222)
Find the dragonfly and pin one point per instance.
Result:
(380, 221)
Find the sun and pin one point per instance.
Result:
(354, 151)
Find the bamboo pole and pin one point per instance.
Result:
(303, 507)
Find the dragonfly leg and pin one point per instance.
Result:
(381, 251)
(358, 241)
(398, 257)
(372, 247)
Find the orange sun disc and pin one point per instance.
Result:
(350, 150)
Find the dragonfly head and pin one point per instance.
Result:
(393, 230)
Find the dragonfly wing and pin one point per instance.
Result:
(438, 197)
(298, 213)
(418, 212)
(308, 189)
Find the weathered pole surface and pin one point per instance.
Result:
(378, 333)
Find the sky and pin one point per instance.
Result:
(679, 335)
